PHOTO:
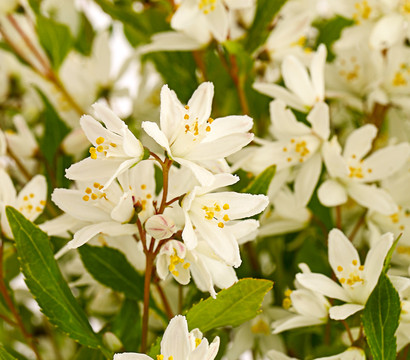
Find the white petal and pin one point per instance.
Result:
(86, 233)
(94, 129)
(7, 190)
(384, 162)
(335, 163)
(309, 304)
(111, 121)
(295, 321)
(297, 79)
(228, 125)
(153, 130)
(131, 356)
(172, 113)
(279, 92)
(317, 69)
(342, 312)
(204, 176)
(307, 179)
(124, 210)
(341, 251)
(188, 234)
(32, 197)
(373, 198)
(319, 118)
(387, 31)
(323, 285)
(131, 145)
(359, 142)
(169, 41)
(92, 169)
(218, 22)
(375, 260)
(175, 342)
(200, 103)
(332, 193)
(201, 276)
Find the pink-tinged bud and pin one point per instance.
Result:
(160, 227)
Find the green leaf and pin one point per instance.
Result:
(111, 268)
(89, 354)
(381, 319)
(55, 38)
(46, 283)
(260, 29)
(329, 32)
(260, 184)
(155, 348)
(4, 355)
(232, 306)
(389, 255)
(127, 325)
(55, 129)
(84, 41)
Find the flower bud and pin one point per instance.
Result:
(160, 227)
(112, 342)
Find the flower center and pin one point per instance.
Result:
(298, 149)
(103, 148)
(401, 76)
(206, 6)
(174, 261)
(217, 213)
(350, 69)
(363, 11)
(31, 205)
(261, 327)
(351, 276)
(94, 193)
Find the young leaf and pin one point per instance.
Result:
(4, 355)
(111, 268)
(55, 38)
(46, 283)
(389, 255)
(232, 306)
(260, 184)
(381, 319)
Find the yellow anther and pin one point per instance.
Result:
(217, 207)
(197, 342)
(221, 224)
(340, 268)
(354, 262)
(93, 156)
(356, 172)
(99, 140)
(143, 187)
(288, 292)
(149, 196)
(38, 208)
(186, 116)
(113, 145)
(25, 198)
(399, 79)
(285, 149)
(94, 196)
(361, 267)
(160, 357)
(42, 202)
(30, 207)
(369, 170)
(96, 185)
(226, 217)
(292, 140)
(210, 121)
(175, 273)
(289, 159)
(395, 218)
(86, 198)
(100, 148)
(225, 206)
(31, 195)
(171, 267)
(209, 215)
(342, 280)
(261, 327)
(401, 227)
(187, 265)
(88, 191)
(186, 107)
(170, 357)
(287, 303)
(186, 128)
(208, 129)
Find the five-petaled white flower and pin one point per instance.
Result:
(179, 344)
(192, 138)
(215, 216)
(357, 281)
(350, 172)
(115, 148)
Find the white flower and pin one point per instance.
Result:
(191, 137)
(215, 216)
(351, 171)
(352, 353)
(357, 281)
(115, 149)
(30, 201)
(108, 210)
(308, 307)
(306, 89)
(179, 344)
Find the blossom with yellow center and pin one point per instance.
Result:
(356, 281)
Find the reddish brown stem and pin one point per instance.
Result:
(338, 210)
(349, 333)
(164, 300)
(149, 263)
(357, 227)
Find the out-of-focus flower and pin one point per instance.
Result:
(357, 281)
(192, 138)
(179, 344)
(306, 89)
